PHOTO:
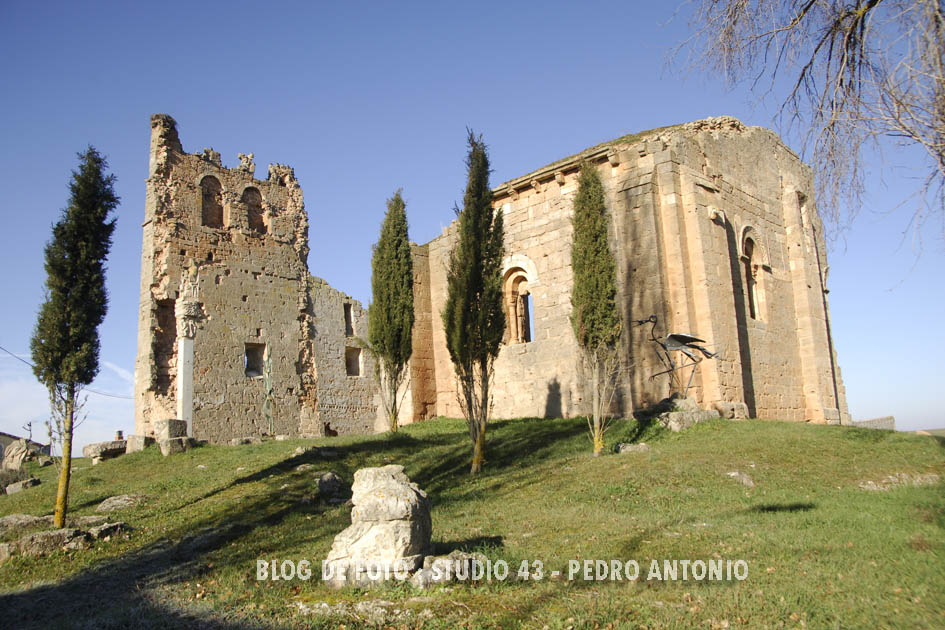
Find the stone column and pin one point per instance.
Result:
(188, 311)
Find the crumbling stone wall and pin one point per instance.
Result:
(345, 396)
(244, 243)
(715, 232)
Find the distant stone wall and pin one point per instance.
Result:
(346, 387)
(888, 423)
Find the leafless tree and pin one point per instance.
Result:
(859, 70)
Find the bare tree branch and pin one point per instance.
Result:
(860, 71)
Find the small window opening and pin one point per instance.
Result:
(253, 360)
(751, 281)
(518, 308)
(353, 361)
(349, 321)
(211, 206)
(252, 199)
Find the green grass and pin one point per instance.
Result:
(821, 552)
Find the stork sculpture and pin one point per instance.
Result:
(677, 342)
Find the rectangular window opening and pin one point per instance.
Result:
(353, 361)
(253, 359)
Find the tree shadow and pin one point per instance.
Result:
(468, 545)
(782, 507)
(553, 399)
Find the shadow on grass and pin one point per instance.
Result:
(782, 507)
(468, 545)
(116, 593)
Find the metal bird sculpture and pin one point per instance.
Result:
(674, 342)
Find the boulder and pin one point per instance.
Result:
(104, 450)
(677, 421)
(120, 502)
(169, 429)
(106, 531)
(742, 478)
(45, 542)
(389, 533)
(137, 443)
(624, 447)
(685, 404)
(732, 410)
(15, 454)
(332, 488)
(13, 488)
(176, 445)
(11, 522)
(6, 550)
(444, 569)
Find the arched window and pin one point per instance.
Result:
(211, 206)
(253, 202)
(518, 307)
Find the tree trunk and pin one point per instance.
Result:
(597, 429)
(62, 494)
(479, 450)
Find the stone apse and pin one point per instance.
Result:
(714, 231)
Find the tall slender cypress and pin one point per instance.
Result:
(390, 318)
(594, 314)
(65, 343)
(472, 317)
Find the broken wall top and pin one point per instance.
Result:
(184, 188)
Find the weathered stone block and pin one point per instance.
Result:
(138, 443)
(46, 542)
(13, 488)
(732, 410)
(624, 448)
(120, 502)
(677, 421)
(389, 533)
(107, 530)
(169, 429)
(175, 445)
(104, 450)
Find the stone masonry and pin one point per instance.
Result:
(714, 230)
(228, 306)
(713, 227)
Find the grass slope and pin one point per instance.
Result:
(821, 552)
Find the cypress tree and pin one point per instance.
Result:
(594, 314)
(472, 317)
(390, 318)
(65, 343)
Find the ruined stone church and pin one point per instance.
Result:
(713, 227)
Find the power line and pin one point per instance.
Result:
(89, 390)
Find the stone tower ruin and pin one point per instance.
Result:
(234, 336)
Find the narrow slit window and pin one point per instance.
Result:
(750, 279)
(349, 321)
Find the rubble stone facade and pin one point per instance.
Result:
(223, 266)
(714, 231)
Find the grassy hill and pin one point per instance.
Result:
(821, 551)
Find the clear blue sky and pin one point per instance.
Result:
(364, 98)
